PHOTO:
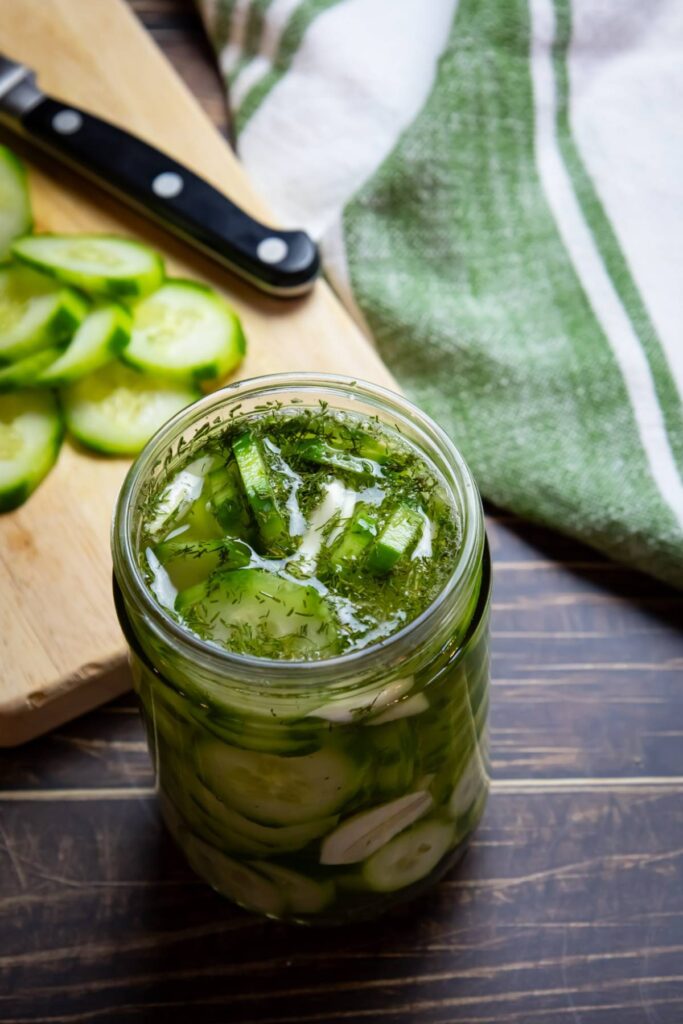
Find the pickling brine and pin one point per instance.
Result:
(303, 581)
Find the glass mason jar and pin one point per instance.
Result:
(315, 791)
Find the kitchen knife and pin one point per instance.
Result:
(283, 263)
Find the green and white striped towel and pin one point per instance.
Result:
(497, 188)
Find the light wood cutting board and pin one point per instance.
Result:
(61, 651)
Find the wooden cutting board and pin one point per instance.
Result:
(61, 651)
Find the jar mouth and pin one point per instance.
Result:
(429, 437)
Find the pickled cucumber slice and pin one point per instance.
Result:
(249, 837)
(324, 454)
(99, 338)
(185, 331)
(408, 708)
(31, 431)
(412, 855)
(258, 487)
(15, 205)
(360, 836)
(115, 410)
(358, 534)
(255, 611)
(301, 894)
(192, 562)
(227, 500)
(35, 313)
(103, 264)
(472, 782)
(24, 372)
(278, 790)
(396, 539)
(232, 879)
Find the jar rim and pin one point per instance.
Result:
(352, 663)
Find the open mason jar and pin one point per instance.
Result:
(314, 790)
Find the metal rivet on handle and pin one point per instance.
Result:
(168, 184)
(272, 250)
(66, 122)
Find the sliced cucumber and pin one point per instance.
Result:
(15, 205)
(190, 563)
(185, 331)
(178, 495)
(360, 836)
(301, 894)
(227, 500)
(235, 880)
(323, 454)
(414, 705)
(412, 855)
(99, 338)
(472, 782)
(34, 312)
(258, 487)
(359, 533)
(396, 539)
(249, 837)
(347, 709)
(31, 431)
(278, 790)
(252, 609)
(103, 264)
(24, 372)
(115, 410)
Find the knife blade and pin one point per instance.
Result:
(282, 263)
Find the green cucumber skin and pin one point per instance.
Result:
(122, 288)
(19, 168)
(14, 497)
(24, 372)
(115, 345)
(71, 311)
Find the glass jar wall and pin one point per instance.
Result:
(316, 791)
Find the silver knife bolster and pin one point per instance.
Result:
(21, 95)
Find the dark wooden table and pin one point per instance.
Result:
(568, 907)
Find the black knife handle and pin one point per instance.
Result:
(283, 262)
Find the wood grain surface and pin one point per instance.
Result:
(567, 908)
(67, 655)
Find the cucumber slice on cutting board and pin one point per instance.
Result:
(233, 879)
(31, 430)
(185, 331)
(15, 205)
(35, 312)
(278, 790)
(115, 410)
(247, 606)
(410, 856)
(102, 264)
(301, 894)
(25, 372)
(360, 836)
(98, 339)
